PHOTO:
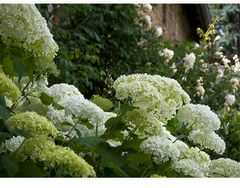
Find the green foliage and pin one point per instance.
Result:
(98, 43)
(16, 61)
(103, 103)
(4, 111)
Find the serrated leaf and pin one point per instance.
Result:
(47, 100)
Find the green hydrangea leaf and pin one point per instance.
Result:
(47, 100)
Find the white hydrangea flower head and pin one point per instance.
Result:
(208, 140)
(146, 124)
(154, 94)
(159, 32)
(58, 91)
(224, 167)
(188, 167)
(194, 161)
(58, 117)
(198, 117)
(83, 108)
(230, 100)
(22, 25)
(11, 145)
(182, 146)
(161, 148)
(189, 61)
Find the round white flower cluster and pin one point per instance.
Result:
(224, 168)
(188, 167)
(11, 145)
(75, 106)
(145, 124)
(59, 91)
(202, 123)
(161, 148)
(209, 140)
(189, 61)
(84, 109)
(155, 94)
(198, 117)
(192, 161)
(22, 25)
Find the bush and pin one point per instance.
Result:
(153, 128)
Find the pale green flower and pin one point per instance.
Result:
(145, 124)
(31, 124)
(188, 167)
(192, 161)
(84, 109)
(62, 159)
(8, 88)
(224, 168)
(198, 117)
(154, 94)
(161, 148)
(22, 25)
(208, 140)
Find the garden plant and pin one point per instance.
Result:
(113, 99)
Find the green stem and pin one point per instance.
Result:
(73, 127)
(97, 130)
